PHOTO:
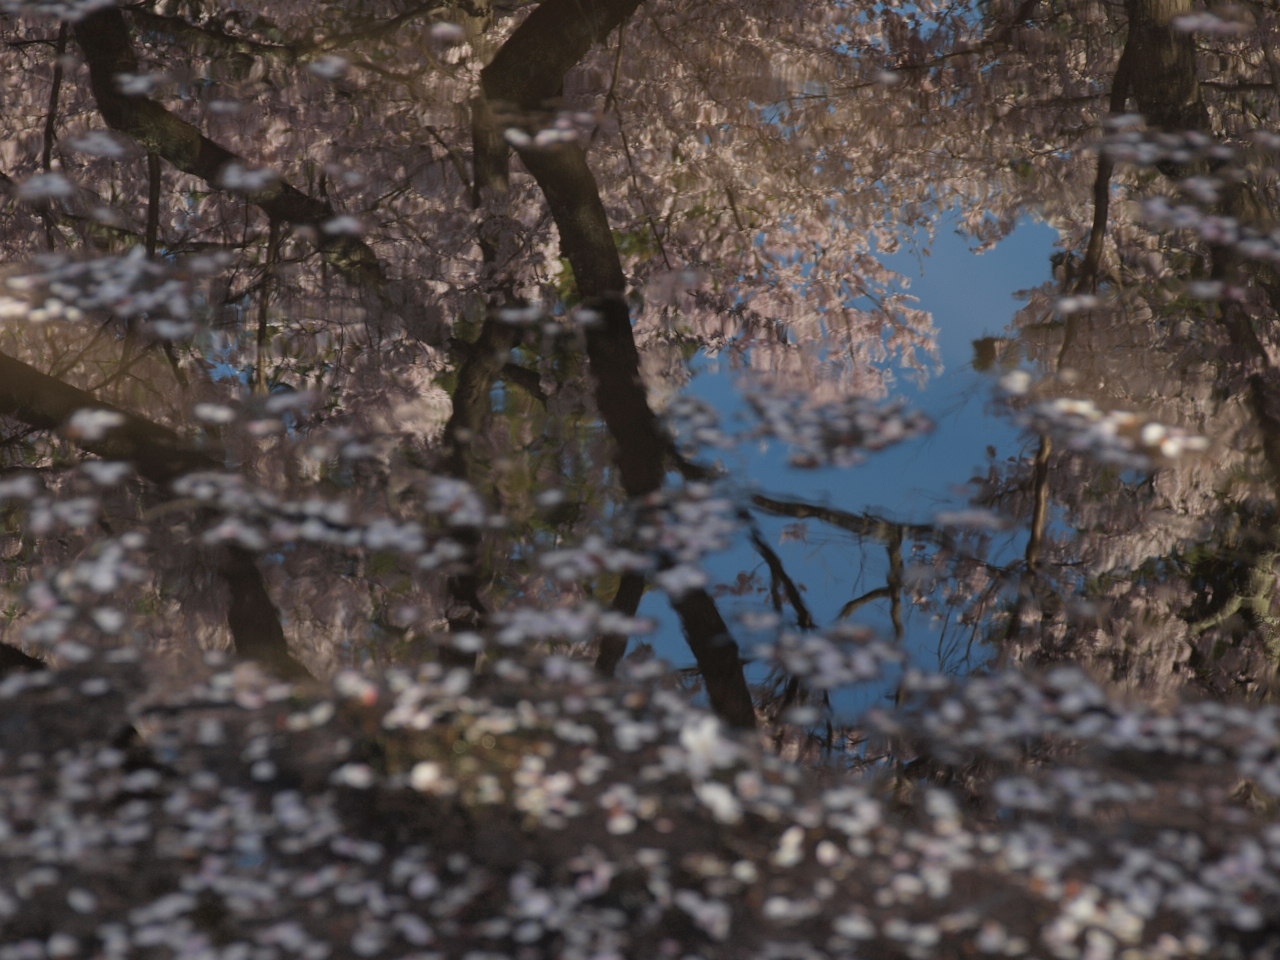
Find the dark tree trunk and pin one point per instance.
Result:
(161, 456)
(104, 38)
(524, 75)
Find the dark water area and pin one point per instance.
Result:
(601, 478)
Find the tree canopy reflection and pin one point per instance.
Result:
(347, 448)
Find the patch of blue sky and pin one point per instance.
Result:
(221, 369)
(970, 296)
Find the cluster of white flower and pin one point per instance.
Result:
(254, 518)
(445, 32)
(543, 139)
(87, 591)
(236, 176)
(682, 527)
(344, 225)
(329, 67)
(1209, 23)
(457, 502)
(71, 10)
(216, 413)
(138, 84)
(696, 424)
(838, 433)
(1120, 437)
(1213, 228)
(1128, 141)
(520, 316)
(45, 186)
(593, 557)
(100, 143)
(523, 626)
(1199, 155)
(841, 656)
(586, 819)
(129, 286)
(92, 425)
(1076, 302)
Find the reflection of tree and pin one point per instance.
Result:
(104, 38)
(970, 583)
(774, 207)
(531, 65)
(1143, 562)
(525, 805)
(865, 526)
(161, 457)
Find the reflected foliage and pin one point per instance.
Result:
(367, 499)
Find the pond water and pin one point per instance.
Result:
(942, 333)
(971, 295)
(616, 479)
